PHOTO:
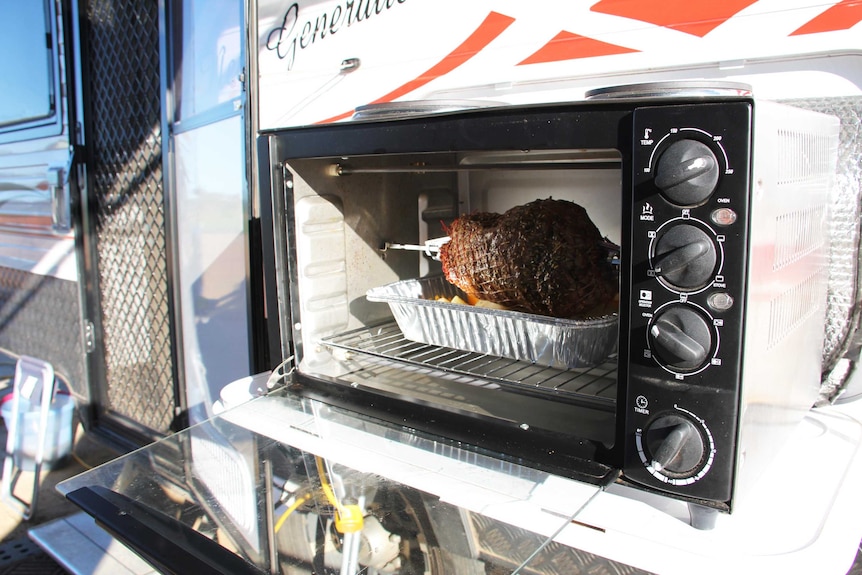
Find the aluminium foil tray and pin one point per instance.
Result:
(547, 341)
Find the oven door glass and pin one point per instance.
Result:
(288, 485)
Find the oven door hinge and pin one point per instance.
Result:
(282, 375)
(89, 337)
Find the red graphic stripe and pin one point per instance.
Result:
(697, 17)
(493, 25)
(569, 46)
(842, 16)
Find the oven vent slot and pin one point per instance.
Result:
(596, 385)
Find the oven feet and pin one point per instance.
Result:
(702, 517)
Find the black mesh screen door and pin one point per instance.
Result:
(131, 361)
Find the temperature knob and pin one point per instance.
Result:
(685, 256)
(676, 446)
(687, 173)
(681, 337)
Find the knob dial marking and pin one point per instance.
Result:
(676, 448)
(682, 338)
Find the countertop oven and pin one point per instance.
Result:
(713, 212)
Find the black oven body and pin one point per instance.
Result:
(686, 194)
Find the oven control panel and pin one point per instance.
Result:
(688, 260)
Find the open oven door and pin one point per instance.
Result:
(285, 484)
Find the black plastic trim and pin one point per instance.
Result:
(544, 450)
(167, 544)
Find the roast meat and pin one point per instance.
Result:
(545, 257)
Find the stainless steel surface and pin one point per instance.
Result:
(671, 89)
(337, 229)
(845, 290)
(788, 278)
(338, 224)
(39, 300)
(393, 110)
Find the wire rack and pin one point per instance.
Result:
(596, 384)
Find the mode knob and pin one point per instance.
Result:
(680, 337)
(687, 172)
(676, 446)
(685, 256)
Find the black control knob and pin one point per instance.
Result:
(687, 172)
(675, 445)
(680, 337)
(685, 256)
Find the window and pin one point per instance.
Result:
(208, 63)
(27, 94)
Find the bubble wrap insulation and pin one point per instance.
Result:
(844, 294)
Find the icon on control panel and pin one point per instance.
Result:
(647, 139)
(645, 298)
(647, 212)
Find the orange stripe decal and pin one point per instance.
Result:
(493, 25)
(569, 46)
(842, 16)
(697, 17)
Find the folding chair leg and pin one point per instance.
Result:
(34, 378)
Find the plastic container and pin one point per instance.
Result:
(547, 341)
(58, 438)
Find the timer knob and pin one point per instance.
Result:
(687, 172)
(685, 256)
(681, 337)
(676, 446)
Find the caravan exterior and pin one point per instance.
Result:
(142, 145)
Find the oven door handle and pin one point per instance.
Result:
(170, 546)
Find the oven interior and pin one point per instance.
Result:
(347, 222)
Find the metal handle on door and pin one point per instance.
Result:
(58, 183)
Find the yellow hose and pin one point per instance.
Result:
(293, 507)
(348, 518)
